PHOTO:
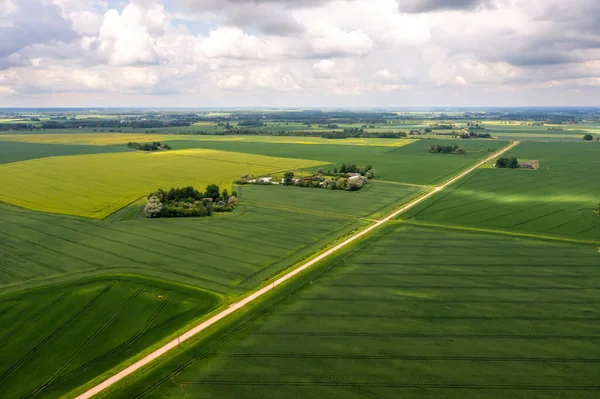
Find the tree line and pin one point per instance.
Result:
(505, 162)
(446, 149)
(350, 178)
(154, 146)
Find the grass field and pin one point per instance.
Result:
(407, 164)
(98, 185)
(75, 136)
(16, 151)
(227, 254)
(55, 338)
(557, 199)
(410, 311)
(413, 313)
(372, 201)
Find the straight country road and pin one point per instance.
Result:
(257, 294)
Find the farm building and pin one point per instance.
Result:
(529, 165)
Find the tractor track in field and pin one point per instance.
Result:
(271, 286)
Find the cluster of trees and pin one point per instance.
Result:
(113, 123)
(588, 137)
(475, 125)
(366, 171)
(154, 146)
(446, 149)
(505, 162)
(16, 126)
(317, 117)
(474, 135)
(417, 132)
(189, 202)
(443, 126)
(349, 182)
(355, 132)
(252, 123)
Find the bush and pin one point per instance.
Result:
(588, 137)
(187, 202)
(232, 201)
(446, 149)
(153, 207)
(511, 163)
(223, 208)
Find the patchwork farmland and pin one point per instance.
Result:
(486, 288)
(409, 312)
(558, 199)
(95, 186)
(54, 338)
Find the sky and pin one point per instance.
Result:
(299, 53)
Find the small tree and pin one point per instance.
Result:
(343, 168)
(225, 195)
(340, 184)
(320, 171)
(287, 178)
(588, 137)
(232, 201)
(153, 207)
(502, 162)
(513, 163)
(212, 191)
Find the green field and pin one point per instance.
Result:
(413, 313)
(103, 138)
(227, 254)
(372, 201)
(488, 289)
(557, 199)
(18, 151)
(55, 338)
(98, 185)
(407, 164)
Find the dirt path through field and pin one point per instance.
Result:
(257, 294)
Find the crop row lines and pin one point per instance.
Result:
(419, 335)
(54, 333)
(339, 384)
(460, 287)
(414, 317)
(90, 339)
(448, 300)
(404, 357)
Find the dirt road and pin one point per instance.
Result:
(257, 294)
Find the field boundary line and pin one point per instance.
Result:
(496, 231)
(281, 280)
(406, 184)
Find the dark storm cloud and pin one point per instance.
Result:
(265, 19)
(538, 59)
(33, 22)
(422, 6)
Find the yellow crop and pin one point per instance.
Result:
(100, 184)
(124, 138)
